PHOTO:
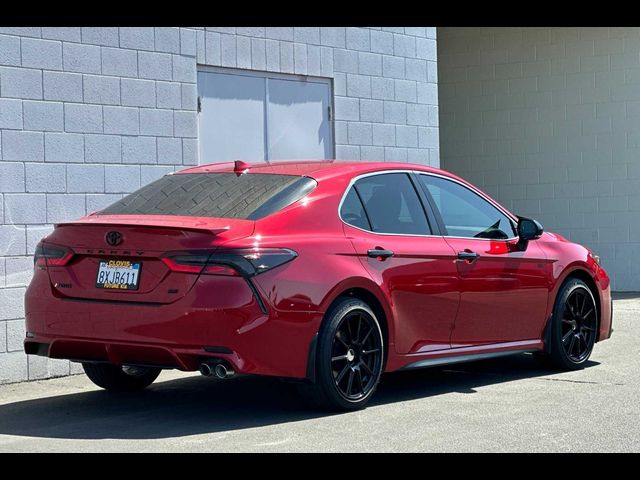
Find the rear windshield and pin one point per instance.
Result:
(223, 195)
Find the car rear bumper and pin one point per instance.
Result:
(220, 317)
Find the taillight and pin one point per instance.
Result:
(49, 255)
(242, 261)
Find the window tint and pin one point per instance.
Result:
(466, 214)
(225, 195)
(392, 204)
(352, 211)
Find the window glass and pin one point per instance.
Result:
(352, 211)
(465, 213)
(224, 195)
(392, 204)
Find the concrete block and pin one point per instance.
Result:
(333, 36)
(42, 116)
(327, 65)
(369, 63)
(138, 93)
(382, 88)
(64, 87)
(286, 57)
(167, 39)
(212, 45)
(121, 178)
(300, 58)
(83, 118)
(155, 66)
(358, 86)
(24, 208)
(251, 31)
(358, 39)
(189, 151)
(102, 90)
(138, 38)
(395, 112)
(64, 147)
(346, 108)
(345, 60)
(139, 150)
(228, 50)
(64, 207)
(12, 241)
(243, 52)
(10, 50)
(189, 95)
(184, 69)
(314, 60)
(384, 135)
(85, 178)
(371, 110)
(393, 67)
(381, 42)
(34, 234)
(12, 177)
(119, 62)
(121, 120)
(185, 124)
(81, 58)
(156, 122)
(272, 55)
(11, 114)
(308, 35)
(360, 133)
(102, 149)
(19, 271)
(106, 36)
(406, 91)
(44, 54)
(149, 174)
(43, 177)
(188, 42)
(168, 95)
(258, 54)
(169, 151)
(21, 83)
(22, 146)
(14, 367)
(280, 33)
(43, 367)
(406, 136)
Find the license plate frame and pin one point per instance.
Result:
(115, 272)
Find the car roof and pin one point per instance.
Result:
(317, 169)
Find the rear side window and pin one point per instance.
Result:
(391, 204)
(222, 195)
(352, 211)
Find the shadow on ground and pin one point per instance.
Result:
(198, 405)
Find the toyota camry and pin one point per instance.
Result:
(329, 273)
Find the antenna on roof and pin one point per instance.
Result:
(240, 167)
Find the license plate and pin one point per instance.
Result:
(118, 275)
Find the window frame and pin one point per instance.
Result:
(438, 216)
(434, 219)
(426, 207)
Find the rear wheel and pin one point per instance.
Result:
(573, 326)
(350, 354)
(120, 378)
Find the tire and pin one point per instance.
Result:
(574, 326)
(118, 378)
(348, 362)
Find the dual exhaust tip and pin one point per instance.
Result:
(218, 369)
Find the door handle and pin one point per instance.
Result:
(379, 253)
(467, 255)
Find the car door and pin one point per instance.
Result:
(503, 289)
(386, 222)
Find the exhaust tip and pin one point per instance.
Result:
(222, 371)
(205, 370)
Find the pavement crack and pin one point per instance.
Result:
(579, 381)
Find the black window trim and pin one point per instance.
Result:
(438, 216)
(434, 218)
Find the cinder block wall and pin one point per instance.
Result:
(547, 120)
(90, 114)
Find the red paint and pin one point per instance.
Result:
(434, 304)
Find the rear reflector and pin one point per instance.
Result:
(242, 261)
(49, 255)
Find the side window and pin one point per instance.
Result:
(352, 211)
(392, 204)
(465, 213)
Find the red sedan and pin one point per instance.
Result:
(326, 272)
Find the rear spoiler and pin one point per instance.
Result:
(195, 224)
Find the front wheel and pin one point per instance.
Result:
(573, 326)
(120, 378)
(350, 357)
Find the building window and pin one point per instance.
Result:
(258, 116)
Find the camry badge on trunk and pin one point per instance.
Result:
(113, 238)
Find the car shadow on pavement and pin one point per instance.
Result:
(197, 405)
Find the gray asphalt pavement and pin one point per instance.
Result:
(507, 404)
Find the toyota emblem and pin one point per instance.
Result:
(113, 238)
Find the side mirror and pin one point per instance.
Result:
(528, 229)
